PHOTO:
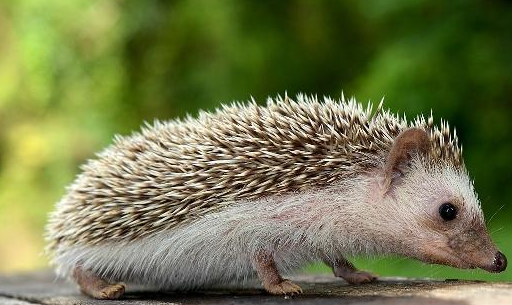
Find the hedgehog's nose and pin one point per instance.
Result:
(500, 262)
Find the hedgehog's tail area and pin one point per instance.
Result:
(53, 236)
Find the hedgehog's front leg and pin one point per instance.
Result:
(96, 287)
(270, 278)
(344, 269)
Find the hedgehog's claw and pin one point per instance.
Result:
(359, 277)
(286, 287)
(112, 292)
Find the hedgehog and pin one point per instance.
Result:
(255, 191)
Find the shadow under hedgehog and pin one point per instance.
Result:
(258, 190)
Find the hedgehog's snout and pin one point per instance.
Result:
(499, 263)
(495, 264)
(475, 248)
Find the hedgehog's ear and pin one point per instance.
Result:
(407, 144)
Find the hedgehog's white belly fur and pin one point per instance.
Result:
(214, 250)
(218, 249)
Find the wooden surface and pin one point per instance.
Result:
(42, 288)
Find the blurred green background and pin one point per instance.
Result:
(74, 73)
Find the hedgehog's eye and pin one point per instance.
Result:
(448, 211)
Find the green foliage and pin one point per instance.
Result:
(74, 73)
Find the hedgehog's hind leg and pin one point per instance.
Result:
(344, 269)
(270, 277)
(96, 287)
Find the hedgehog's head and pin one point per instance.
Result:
(436, 211)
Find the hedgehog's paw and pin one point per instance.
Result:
(284, 287)
(111, 292)
(105, 292)
(96, 287)
(344, 269)
(359, 277)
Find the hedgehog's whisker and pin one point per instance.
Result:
(497, 230)
(495, 213)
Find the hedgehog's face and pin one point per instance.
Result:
(443, 222)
